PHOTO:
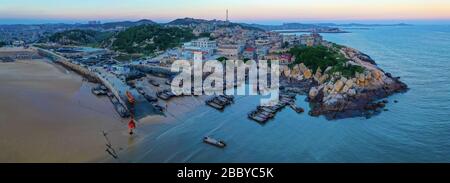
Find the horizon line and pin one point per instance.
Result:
(28, 21)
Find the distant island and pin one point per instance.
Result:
(362, 25)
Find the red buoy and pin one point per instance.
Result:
(131, 126)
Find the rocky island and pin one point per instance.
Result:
(340, 82)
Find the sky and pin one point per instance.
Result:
(250, 11)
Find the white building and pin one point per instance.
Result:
(204, 45)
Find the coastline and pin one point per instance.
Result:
(49, 115)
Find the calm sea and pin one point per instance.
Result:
(417, 129)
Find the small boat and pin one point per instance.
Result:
(150, 98)
(158, 107)
(229, 97)
(153, 82)
(269, 115)
(266, 109)
(168, 82)
(97, 91)
(217, 101)
(224, 100)
(297, 109)
(256, 118)
(214, 142)
(103, 87)
(141, 91)
(214, 104)
(170, 93)
(162, 95)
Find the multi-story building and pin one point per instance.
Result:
(204, 45)
(262, 42)
(262, 52)
(231, 51)
(291, 39)
(313, 39)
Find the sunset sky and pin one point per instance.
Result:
(268, 11)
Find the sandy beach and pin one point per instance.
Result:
(49, 115)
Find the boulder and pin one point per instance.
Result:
(307, 74)
(349, 83)
(345, 89)
(313, 92)
(287, 73)
(318, 75)
(323, 78)
(338, 86)
(302, 68)
(351, 92)
(377, 75)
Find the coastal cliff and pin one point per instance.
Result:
(351, 85)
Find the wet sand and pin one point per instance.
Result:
(47, 114)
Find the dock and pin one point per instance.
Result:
(262, 114)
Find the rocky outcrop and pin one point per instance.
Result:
(336, 96)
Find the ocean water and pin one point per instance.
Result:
(417, 129)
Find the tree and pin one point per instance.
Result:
(285, 45)
(222, 59)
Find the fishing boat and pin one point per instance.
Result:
(257, 118)
(214, 142)
(297, 109)
(150, 98)
(153, 82)
(214, 104)
(267, 114)
(223, 100)
(141, 91)
(266, 109)
(168, 82)
(162, 95)
(158, 107)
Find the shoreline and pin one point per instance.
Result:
(49, 115)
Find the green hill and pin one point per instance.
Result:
(323, 57)
(79, 37)
(146, 39)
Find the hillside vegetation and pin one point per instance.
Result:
(147, 39)
(79, 37)
(323, 57)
